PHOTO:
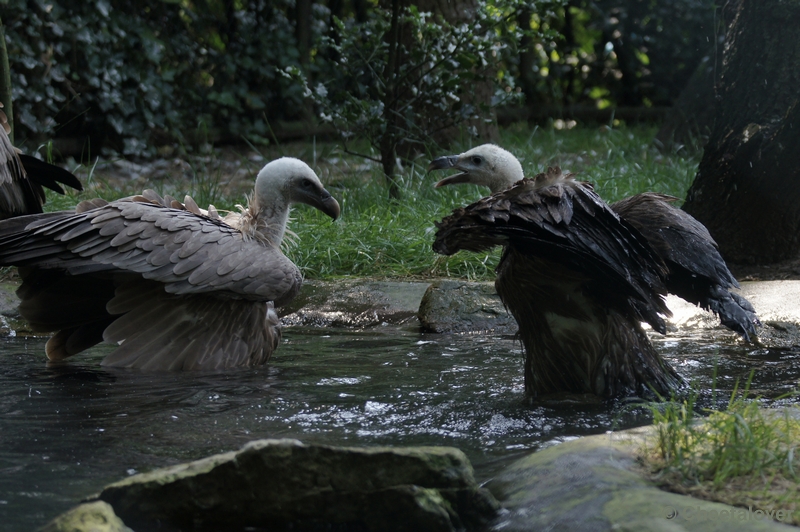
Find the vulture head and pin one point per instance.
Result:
(280, 184)
(287, 180)
(487, 165)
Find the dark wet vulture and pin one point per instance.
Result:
(696, 270)
(578, 280)
(175, 288)
(22, 178)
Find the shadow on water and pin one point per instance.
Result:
(66, 430)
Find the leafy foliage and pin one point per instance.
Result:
(136, 74)
(428, 90)
(606, 52)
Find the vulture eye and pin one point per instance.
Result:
(476, 159)
(306, 183)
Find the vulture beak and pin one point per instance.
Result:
(322, 200)
(444, 163)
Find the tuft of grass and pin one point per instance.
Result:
(380, 238)
(743, 455)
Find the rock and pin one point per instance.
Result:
(10, 320)
(595, 483)
(355, 302)
(460, 306)
(775, 303)
(95, 516)
(281, 483)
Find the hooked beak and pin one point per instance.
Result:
(326, 203)
(444, 163)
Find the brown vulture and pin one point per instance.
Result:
(579, 281)
(22, 178)
(696, 270)
(173, 287)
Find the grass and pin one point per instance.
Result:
(378, 238)
(742, 455)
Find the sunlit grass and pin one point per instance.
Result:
(743, 455)
(380, 238)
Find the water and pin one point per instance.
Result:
(67, 430)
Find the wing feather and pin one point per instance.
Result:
(162, 244)
(564, 222)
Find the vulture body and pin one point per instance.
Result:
(696, 270)
(579, 281)
(174, 288)
(22, 178)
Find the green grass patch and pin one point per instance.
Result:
(743, 455)
(380, 238)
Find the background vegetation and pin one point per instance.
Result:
(160, 77)
(133, 76)
(378, 236)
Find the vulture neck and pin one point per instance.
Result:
(265, 223)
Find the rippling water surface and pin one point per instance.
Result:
(67, 430)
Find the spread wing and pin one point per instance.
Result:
(675, 235)
(697, 271)
(565, 223)
(185, 252)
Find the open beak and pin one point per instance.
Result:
(444, 163)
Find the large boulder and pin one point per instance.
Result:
(285, 483)
(461, 306)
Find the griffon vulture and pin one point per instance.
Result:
(696, 270)
(579, 281)
(174, 288)
(22, 178)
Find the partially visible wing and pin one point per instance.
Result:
(566, 223)
(675, 235)
(187, 253)
(697, 271)
(160, 331)
(18, 195)
(49, 175)
(22, 178)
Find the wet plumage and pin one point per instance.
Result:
(696, 270)
(578, 280)
(172, 286)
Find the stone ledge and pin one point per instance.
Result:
(595, 483)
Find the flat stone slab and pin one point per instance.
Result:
(285, 483)
(354, 302)
(595, 484)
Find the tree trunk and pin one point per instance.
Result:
(747, 188)
(692, 117)
(5, 82)
(527, 59)
(388, 142)
(302, 29)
